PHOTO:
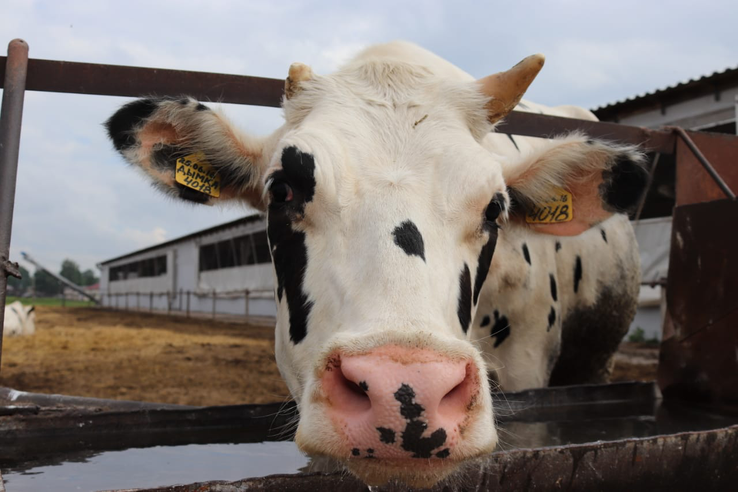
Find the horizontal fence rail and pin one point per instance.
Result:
(118, 80)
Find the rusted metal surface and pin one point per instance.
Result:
(116, 80)
(724, 187)
(693, 183)
(700, 340)
(11, 115)
(704, 461)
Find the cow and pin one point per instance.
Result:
(19, 320)
(413, 249)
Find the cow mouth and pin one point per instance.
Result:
(411, 472)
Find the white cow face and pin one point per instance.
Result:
(383, 209)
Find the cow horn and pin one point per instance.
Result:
(298, 73)
(507, 88)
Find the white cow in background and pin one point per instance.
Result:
(19, 320)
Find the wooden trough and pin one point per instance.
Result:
(681, 434)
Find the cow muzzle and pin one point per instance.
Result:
(397, 411)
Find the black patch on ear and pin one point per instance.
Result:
(408, 238)
(558, 246)
(501, 329)
(554, 293)
(483, 263)
(604, 234)
(623, 184)
(201, 107)
(289, 254)
(120, 126)
(513, 141)
(186, 193)
(299, 170)
(363, 385)
(551, 318)
(526, 253)
(577, 273)
(386, 435)
(485, 321)
(465, 295)
(412, 440)
(443, 453)
(164, 157)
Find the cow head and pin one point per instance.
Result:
(383, 208)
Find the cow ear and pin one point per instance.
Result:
(570, 184)
(189, 151)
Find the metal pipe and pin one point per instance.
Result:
(61, 279)
(11, 116)
(705, 163)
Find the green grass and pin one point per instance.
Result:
(48, 301)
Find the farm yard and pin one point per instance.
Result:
(172, 359)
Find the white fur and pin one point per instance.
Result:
(20, 320)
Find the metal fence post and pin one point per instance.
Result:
(138, 301)
(246, 295)
(151, 302)
(213, 303)
(169, 302)
(11, 116)
(179, 300)
(188, 303)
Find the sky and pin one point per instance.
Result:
(75, 198)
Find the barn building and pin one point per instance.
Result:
(225, 269)
(710, 104)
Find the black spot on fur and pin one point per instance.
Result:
(465, 298)
(443, 453)
(201, 107)
(355, 452)
(623, 184)
(577, 273)
(513, 141)
(186, 193)
(184, 101)
(551, 318)
(485, 321)
(604, 234)
(289, 254)
(526, 253)
(164, 157)
(408, 238)
(120, 126)
(412, 440)
(552, 281)
(363, 385)
(387, 436)
(483, 263)
(558, 246)
(501, 329)
(299, 171)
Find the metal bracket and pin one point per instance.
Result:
(10, 268)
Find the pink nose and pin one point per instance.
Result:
(397, 402)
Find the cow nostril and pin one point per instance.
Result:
(345, 393)
(460, 396)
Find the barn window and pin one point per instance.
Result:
(150, 267)
(250, 249)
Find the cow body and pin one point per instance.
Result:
(20, 320)
(394, 218)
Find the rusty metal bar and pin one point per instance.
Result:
(705, 163)
(649, 183)
(11, 115)
(117, 80)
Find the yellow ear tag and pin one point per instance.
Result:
(195, 172)
(559, 208)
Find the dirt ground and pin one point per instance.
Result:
(171, 359)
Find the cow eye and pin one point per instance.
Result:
(280, 192)
(493, 211)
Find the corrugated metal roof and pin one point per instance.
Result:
(227, 225)
(731, 72)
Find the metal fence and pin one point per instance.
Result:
(191, 303)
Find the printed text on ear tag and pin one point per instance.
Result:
(557, 209)
(195, 172)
